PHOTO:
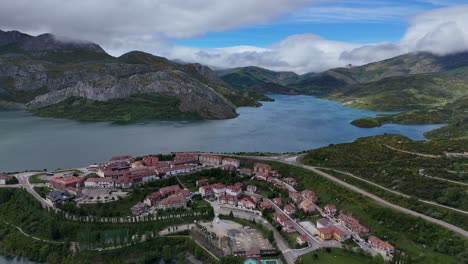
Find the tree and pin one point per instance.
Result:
(167, 253)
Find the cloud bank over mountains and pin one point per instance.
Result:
(120, 26)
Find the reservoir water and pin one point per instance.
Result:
(291, 123)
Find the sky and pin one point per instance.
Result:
(284, 35)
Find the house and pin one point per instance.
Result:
(247, 203)
(310, 195)
(172, 202)
(381, 246)
(172, 170)
(233, 190)
(210, 160)
(307, 206)
(151, 161)
(245, 171)
(231, 162)
(218, 189)
(139, 208)
(353, 223)
(153, 198)
(228, 199)
(185, 193)
(251, 188)
(262, 177)
(262, 169)
(302, 239)
(332, 232)
(330, 209)
(4, 179)
(296, 197)
(57, 198)
(206, 191)
(278, 201)
(63, 183)
(165, 191)
(265, 205)
(290, 181)
(124, 182)
(290, 209)
(185, 158)
(201, 182)
(256, 197)
(324, 222)
(282, 219)
(275, 173)
(108, 183)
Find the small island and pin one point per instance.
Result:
(366, 122)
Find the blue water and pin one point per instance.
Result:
(11, 260)
(291, 123)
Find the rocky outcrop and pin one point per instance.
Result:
(195, 97)
(4, 105)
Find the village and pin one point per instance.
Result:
(296, 216)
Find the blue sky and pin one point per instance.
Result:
(353, 21)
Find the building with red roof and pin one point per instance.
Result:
(4, 179)
(330, 209)
(290, 181)
(251, 188)
(172, 202)
(218, 189)
(210, 160)
(202, 182)
(153, 198)
(247, 203)
(332, 232)
(186, 158)
(278, 201)
(266, 205)
(245, 171)
(302, 239)
(353, 223)
(282, 219)
(381, 246)
(151, 161)
(231, 162)
(233, 190)
(165, 191)
(289, 209)
(262, 169)
(228, 199)
(310, 195)
(206, 191)
(296, 197)
(63, 183)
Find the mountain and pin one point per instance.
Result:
(246, 77)
(408, 64)
(59, 77)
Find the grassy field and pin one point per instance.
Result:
(37, 178)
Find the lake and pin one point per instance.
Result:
(14, 260)
(291, 123)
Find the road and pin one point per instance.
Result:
(414, 153)
(393, 191)
(23, 179)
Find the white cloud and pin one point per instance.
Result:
(441, 31)
(147, 25)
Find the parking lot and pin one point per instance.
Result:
(242, 238)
